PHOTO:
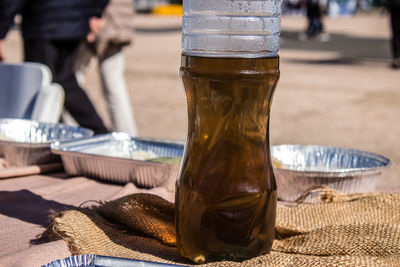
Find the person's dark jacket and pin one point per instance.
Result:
(50, 19)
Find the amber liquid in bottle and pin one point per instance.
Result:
(226, 190)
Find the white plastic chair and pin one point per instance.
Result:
(26, 92)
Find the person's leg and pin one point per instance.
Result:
(76, 100)
(309, 26)
(314, 30)
(111, 69)
(83, 60)
(85, 55)
(310, 17)
(314, 16)
(41, 51)
(60, 57)
(395, 23)
(320, 26)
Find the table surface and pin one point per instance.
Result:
(26, 202)
(25, 205)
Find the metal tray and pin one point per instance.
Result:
(91, 260)
(297, 168)
(109, 157)
(27, 142)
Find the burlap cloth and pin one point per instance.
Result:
(339, 230)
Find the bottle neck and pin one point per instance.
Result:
(229, 54)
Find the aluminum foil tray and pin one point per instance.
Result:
(91, 260)
(27, 142)
(111, 157)
(297, 168)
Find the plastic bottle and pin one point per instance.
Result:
(226, 190)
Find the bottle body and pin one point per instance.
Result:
(226, 191)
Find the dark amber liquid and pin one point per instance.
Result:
(226, 191)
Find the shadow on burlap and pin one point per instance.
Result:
(340, 230)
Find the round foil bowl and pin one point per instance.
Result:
(298, 168)
(27, 142)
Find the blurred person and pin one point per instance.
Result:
(314, 15)
(52, 32)
(107, 46)
(394, 9)
(315, 25)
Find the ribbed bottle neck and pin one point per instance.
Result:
(231, 28)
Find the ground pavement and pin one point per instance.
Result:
(339, 93)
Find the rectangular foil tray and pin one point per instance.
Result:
(27, 142)
(108, 157)
(92, 260)
(298, 168)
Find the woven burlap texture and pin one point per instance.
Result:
(342, 230)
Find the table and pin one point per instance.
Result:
(25, 205)
(26, 202)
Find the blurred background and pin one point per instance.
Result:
(336, 91)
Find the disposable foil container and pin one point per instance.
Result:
(111, 157)
(27, 142)
(298, 168)
(92, 260)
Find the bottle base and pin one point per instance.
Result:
(236, 257)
